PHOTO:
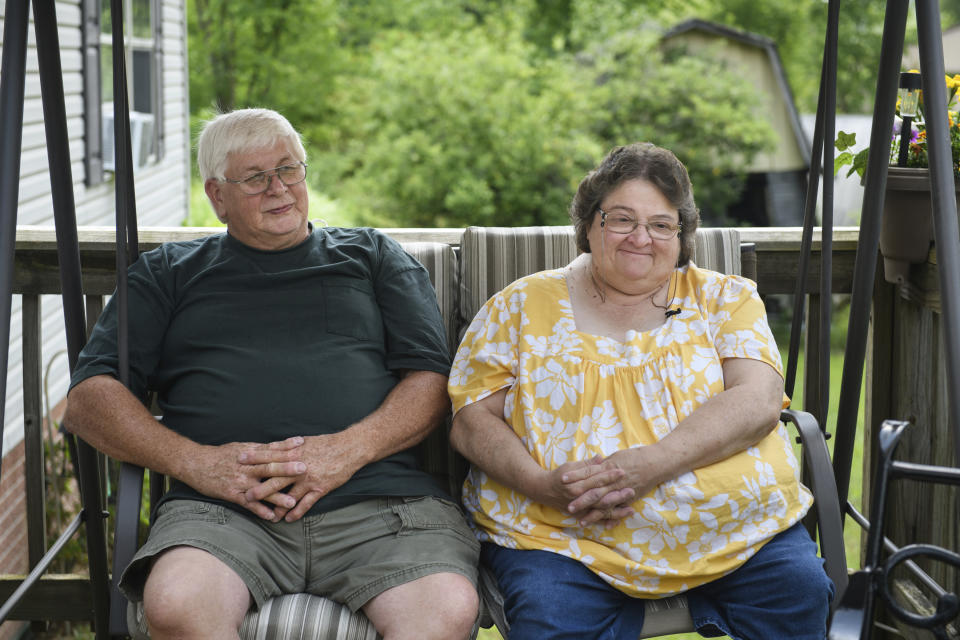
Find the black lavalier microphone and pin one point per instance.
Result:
(671, 312)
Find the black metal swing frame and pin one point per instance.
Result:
(110, 620)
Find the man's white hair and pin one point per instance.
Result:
(241, 131)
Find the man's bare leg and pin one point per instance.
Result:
(191, 594)
(440, 606)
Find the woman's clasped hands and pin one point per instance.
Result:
(602, 490)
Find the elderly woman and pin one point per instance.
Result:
(621, 415)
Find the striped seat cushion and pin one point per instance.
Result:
(306, 617)
(296, 616)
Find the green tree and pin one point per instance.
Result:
(949, 13)
(282, 54)
(459, 128)
(686, 103)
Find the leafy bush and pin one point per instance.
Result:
(457, 129)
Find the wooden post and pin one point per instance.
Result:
(33, 429)
(811, 358)
(877, 380)
(34, 472)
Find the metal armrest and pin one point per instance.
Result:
(125, 540)
(816, 459)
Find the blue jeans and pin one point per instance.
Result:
(781, 592)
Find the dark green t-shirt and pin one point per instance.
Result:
(248, 345)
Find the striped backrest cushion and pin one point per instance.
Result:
(493, 257)
(434, 453)
(718, 250)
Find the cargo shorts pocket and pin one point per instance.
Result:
(426, 513)
(192, 511)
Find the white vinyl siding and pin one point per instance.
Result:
(162, 188)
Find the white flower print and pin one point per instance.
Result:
(741, 344)
(512, 509)
(701, 394)
(732, 291)
(478, 321)
(717, 319)
(684, 495)
(712, 289)
(788, 453)
(515, 302)
(496, 353)
(676, 371)
(491, 329)
(557, 440)
(460, 371)
(709, 543)
(640, 580)
(606, 370)
(653, 530)
(696, 326)
(637, 356)
(755, 533)
(561, 343)
(603, 430)
(610, 347)
(766, 476)
(553, 382)
(573, 551)
(661, 426)
(660, 566)
(650, 392)
(674, 332)
(707, 361)
(777, 504)
(752, 493)
(683, 488)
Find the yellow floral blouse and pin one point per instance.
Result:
(574, 395)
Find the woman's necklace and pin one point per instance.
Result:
(600, 290)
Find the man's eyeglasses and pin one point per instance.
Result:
(289, 174)
(622, 223)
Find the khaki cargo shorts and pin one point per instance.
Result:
(349, 555)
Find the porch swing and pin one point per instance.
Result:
(854, 613)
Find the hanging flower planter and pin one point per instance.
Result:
(906, 231)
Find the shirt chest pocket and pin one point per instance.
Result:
(351, 310)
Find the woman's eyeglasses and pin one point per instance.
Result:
(622, 223)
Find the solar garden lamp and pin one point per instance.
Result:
(909, 94)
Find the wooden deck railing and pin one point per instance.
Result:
(36, 274)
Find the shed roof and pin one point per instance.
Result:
(759, 55)
(951, 52)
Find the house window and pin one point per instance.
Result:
(142, 51)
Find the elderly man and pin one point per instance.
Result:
(295, 368)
